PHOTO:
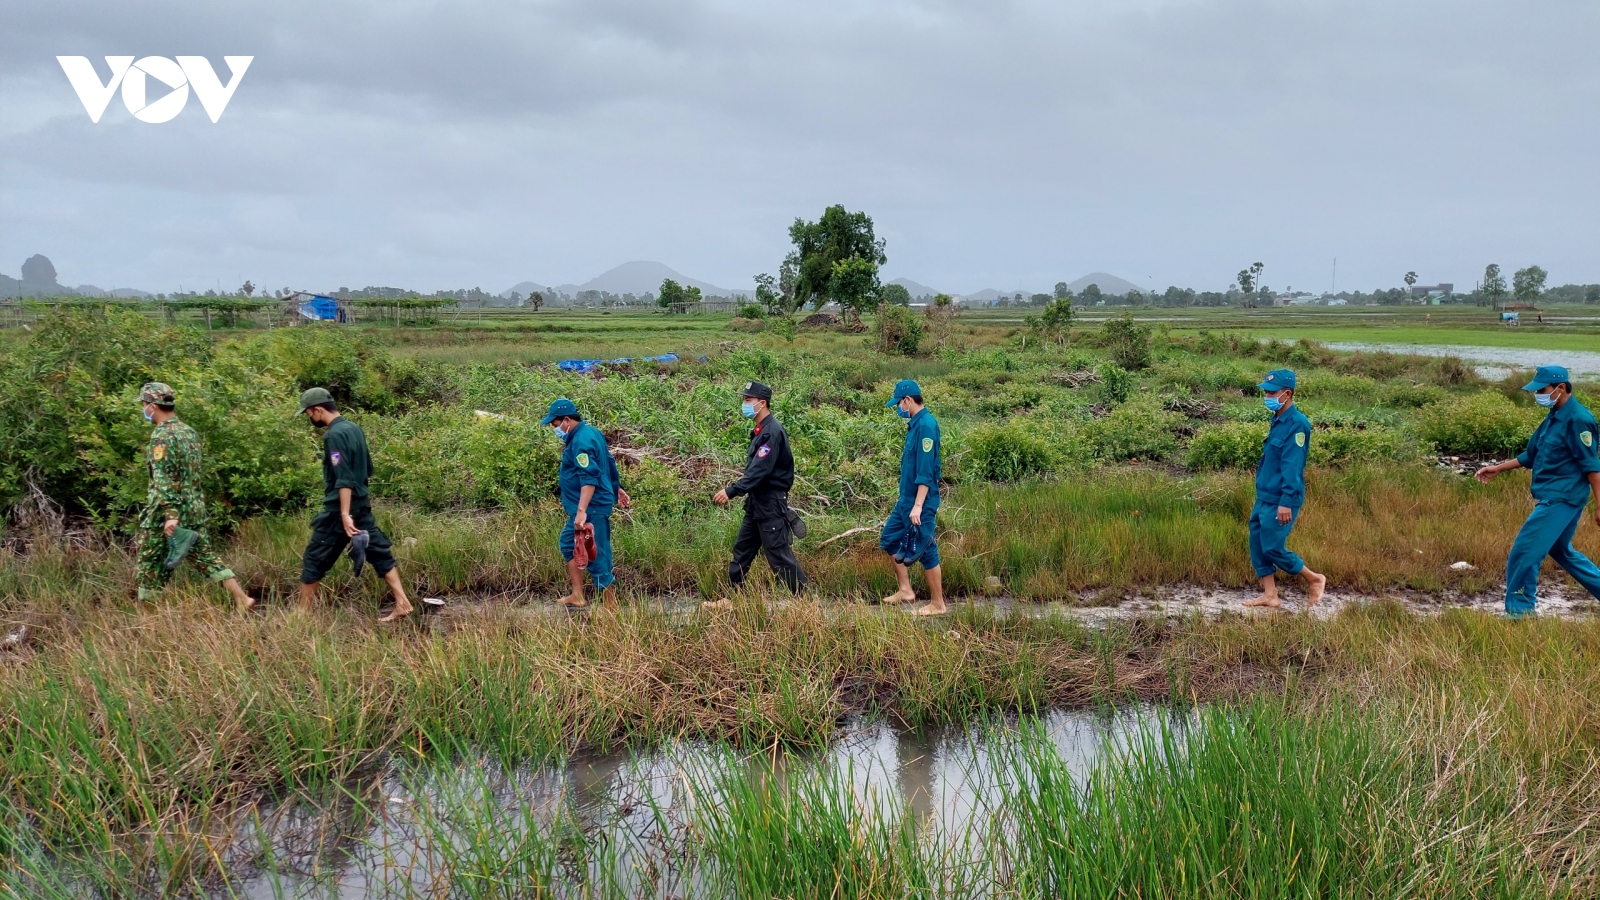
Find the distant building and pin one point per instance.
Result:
(1443, 289)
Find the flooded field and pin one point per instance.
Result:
(1492, 362)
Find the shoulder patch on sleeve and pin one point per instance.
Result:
(583, 460)
(1299, 438)
(1587, 438)
(158, 452)
(335, 457)
(927, 445)
(763, 450)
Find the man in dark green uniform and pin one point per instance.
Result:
(346, 505)
(1566, 471)
(1280, 492)
(174, 500)
(908, 533)
(590, 488)
(768, 475)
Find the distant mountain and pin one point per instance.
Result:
(524, 288)
(637, 277)
(10, 287)
(1109, 284)
(917, 289)
(991, 294)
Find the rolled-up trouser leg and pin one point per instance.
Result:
(1269, 549)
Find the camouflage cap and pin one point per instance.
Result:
(158, 393)
(314, 397)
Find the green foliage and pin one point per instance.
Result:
(1234, 445)
(1482, 425)
(752, 311)
(1116, 383)
(1128, 342)
(1527, 284)
(1009, 452)
(898, 330)
(1372, 443)
(453, 458)
(895, 295)
(819, 246)
(1139, 429)
(71, 398)
(854, 285)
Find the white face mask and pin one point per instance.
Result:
(1545, 400)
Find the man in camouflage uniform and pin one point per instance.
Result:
(174, 500)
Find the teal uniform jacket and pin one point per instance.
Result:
(1562, 453)
(587, 460)
(1281, 477)
(919, 460)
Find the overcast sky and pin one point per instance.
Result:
(995, 144)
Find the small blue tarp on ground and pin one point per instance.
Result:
(589, 365)
(323, 309)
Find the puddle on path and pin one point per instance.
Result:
(1492, 362)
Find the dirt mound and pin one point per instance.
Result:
(819, 320)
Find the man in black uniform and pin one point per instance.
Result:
(768, 475)
(346, 505)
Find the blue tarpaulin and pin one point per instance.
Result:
(323, 309)
(589, 365)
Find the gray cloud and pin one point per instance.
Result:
(995, 143)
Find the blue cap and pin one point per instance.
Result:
(1277, 380)
(904, 388)
(561, 407)
(1546, 376)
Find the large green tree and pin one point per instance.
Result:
(819, 248)
(1527, 284)
(895, 295)
(1494, 285)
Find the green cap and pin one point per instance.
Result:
(156, 392)
(314, 397)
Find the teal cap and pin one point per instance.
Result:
(904, 388)
(1546, 376)
(1277, 380)
(559, 408)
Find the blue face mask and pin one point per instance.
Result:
(560, 435)
(901, 412)
(1545, 400)
(147, 417)
(749, 410)
(1273, 403)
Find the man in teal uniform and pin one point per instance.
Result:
(1566, 471)
(908, 534)
(346, 506)
(1280, 492)
(589, 487)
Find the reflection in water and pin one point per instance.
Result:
(624, 820)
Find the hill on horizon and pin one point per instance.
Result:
(1108, 283)
(636, 277)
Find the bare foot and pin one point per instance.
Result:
(929, 609)
(571, 602)
(608, 598)
(244, 603)
(1270, 601)
(1314, 588)
(900, 597)
(724, 603)
(402, 608)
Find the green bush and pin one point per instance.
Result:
(456, 458)
(752, 311)
(1128, 341)
(1009, 452)
(1483, 424)
(74, 432)
(898, 330)
(1373, 443)
(1010, 399)
(1234, 445)
(1139, 429)
(1116, 383)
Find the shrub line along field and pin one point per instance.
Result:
(1452, 755)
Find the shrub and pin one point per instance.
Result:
(1116, 383)
(1009, 452)
(1128, 342)
(1234, 445)
(751, 311)
(898, 330)
(1138, 429)
(1010, 399)
(1340, 445)
(1482, 424)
